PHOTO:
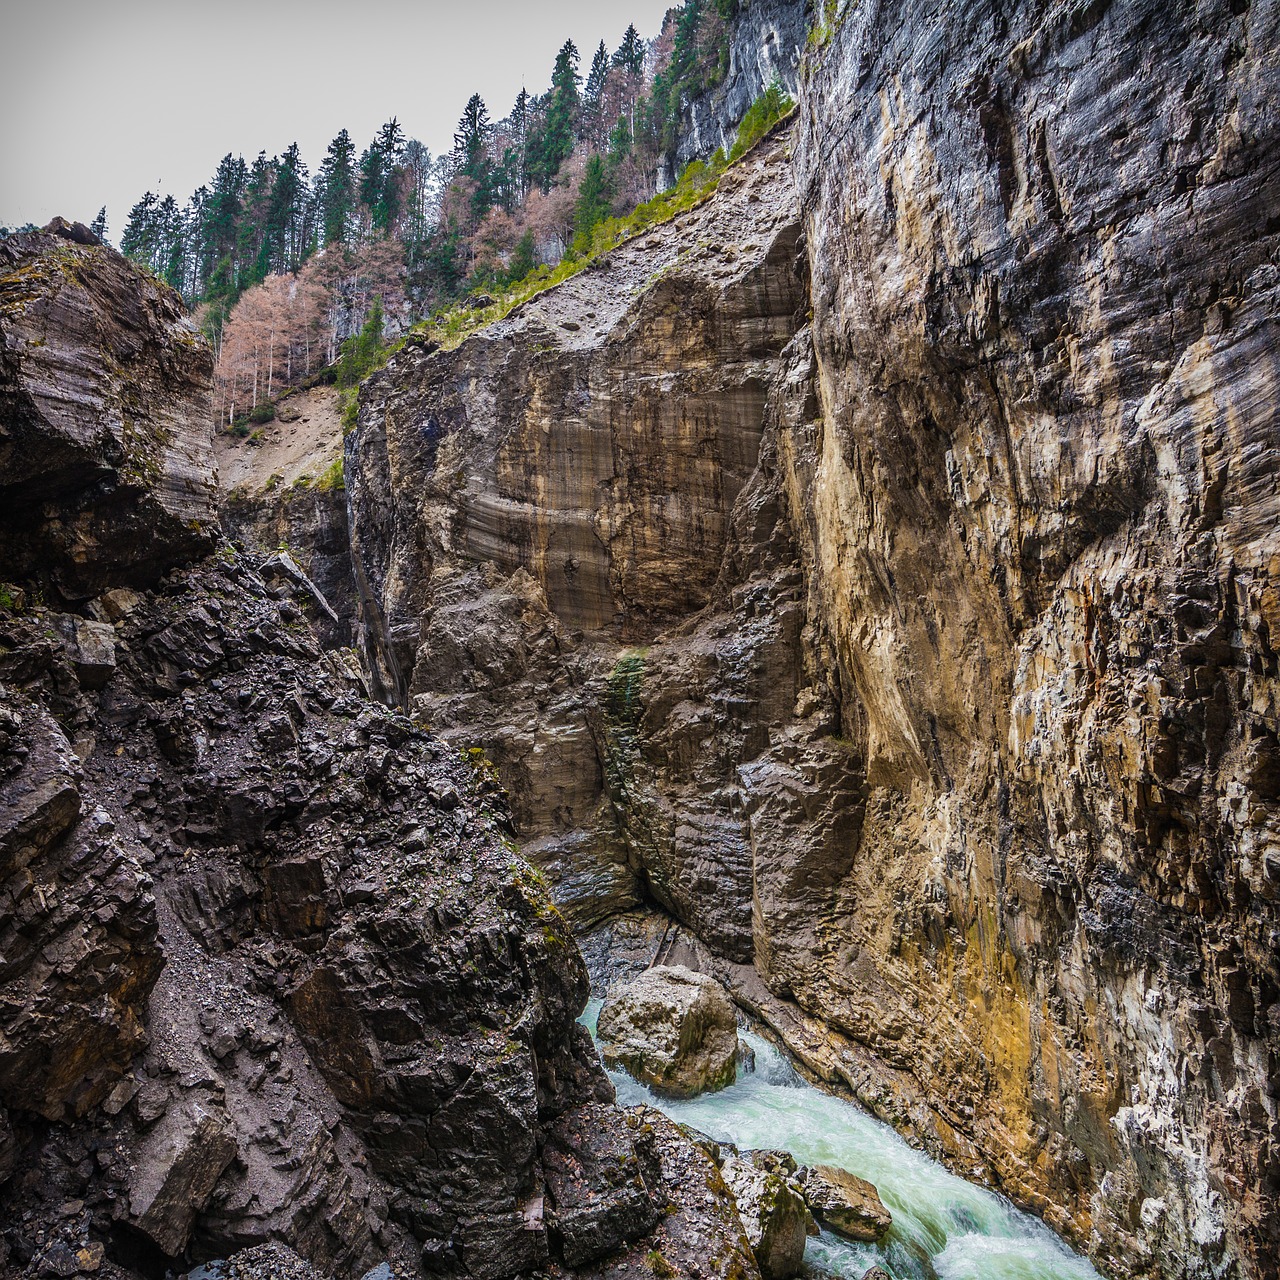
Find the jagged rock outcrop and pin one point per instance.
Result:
(956, 716)
(106, 459)
(270, 969)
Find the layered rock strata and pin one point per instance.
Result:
(529, 511)
(106, 459)
(942, 711)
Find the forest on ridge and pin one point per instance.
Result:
(290, 269)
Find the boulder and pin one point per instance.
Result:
(772, 1208)
(188, 1157)
(846, 1204)
(673, 1030)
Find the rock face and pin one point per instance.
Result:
(106, 460)
(766, 41)
(849, 1205)
(529, 510)
(674, 1030)
(1038, 494)
(947, 699)
(269, 967)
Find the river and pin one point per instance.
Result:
(944, 1228)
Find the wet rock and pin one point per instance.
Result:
(603, 1183)
(673, 1030)
(850, 1206)
(772, 1209)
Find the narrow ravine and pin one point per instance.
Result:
(944, 1228)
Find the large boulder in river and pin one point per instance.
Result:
(673, 1029)
(846, 1204)
(106, 444)
(772, 1208)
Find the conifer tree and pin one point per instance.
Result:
(378, 175)
(141, 239)
(592, 206)
(99, 225)
(630, 53)
(287, 213)
(555, 142)
(336, 188)
(593, 124)
(220, 223)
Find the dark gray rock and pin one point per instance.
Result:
(106, 459)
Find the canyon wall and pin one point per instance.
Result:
(1043, 528)
(876, 569)
(270, 967)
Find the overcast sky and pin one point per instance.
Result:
(102, 101)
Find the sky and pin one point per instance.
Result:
(102, 100)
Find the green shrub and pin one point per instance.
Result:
(331, 480)
(762, 115)
(350, 409)
(264, 412)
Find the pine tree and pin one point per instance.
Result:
(470, 153)
(378, 175)
(221, 224)
(336, 189)
(517, 164)
(285, 227)
(471, 136)
(140, 238)
(555, 142)
(630, 53)
(592, 206)
(592, 94)
(524, 257)
(99, 225)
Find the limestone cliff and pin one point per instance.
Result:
(929, 668)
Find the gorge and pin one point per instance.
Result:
(861, 588)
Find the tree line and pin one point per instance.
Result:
(284, 264)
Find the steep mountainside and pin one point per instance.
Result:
(270, 968)
(919, 656)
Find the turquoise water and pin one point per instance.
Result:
(944, 1228)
